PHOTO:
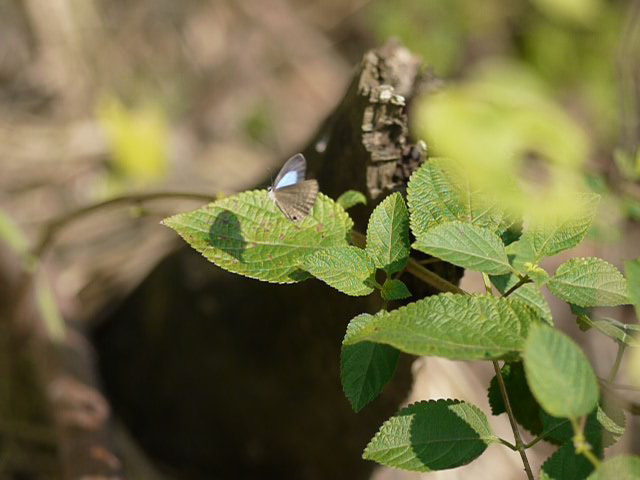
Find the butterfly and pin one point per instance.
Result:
(291, 193)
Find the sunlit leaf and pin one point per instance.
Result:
(347, 269)
(622, 467)
(554, 363)
(247, 234)
(467, 246)
(351, 198)
(589, 282)
(433, 435)
(455, 326)
(388, 234)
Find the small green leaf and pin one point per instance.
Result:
(438, 194)
(394, 290)
(455, 326)
(522, 258)
(566, 464)
(467, 246)
(525, 407)
(433, 435)
(554, 363)
(589, 282)
(622, 467)
(632, 269)
(248, 235)
(560, 233)
(603, 427)
(347, 269)
(528, 293)
(388, 234)
(351, 198)
(365, 368)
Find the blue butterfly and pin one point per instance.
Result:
(291, 193)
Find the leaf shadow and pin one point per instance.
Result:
(225, 234)
(441, 438)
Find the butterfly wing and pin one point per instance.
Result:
(296, 201)
(292, 172)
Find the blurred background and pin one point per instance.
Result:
(103, 98)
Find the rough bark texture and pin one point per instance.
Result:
(219, 376)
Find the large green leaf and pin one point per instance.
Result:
(467, 246)
(347, 269)
(632, 269)
(248, 235)
(565, 230)
(528, 293)
(566, 464)
(388, 234)
(589, 282)
(433, 435)
(365, 368)
(622, 467)
(437, 194)
(553, 364)
(456, 326)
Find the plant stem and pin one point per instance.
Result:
(580, 443)
(507, 444)
(616, 365)
(512, 420)
(54, 226)
(487, 283)
(520, 283)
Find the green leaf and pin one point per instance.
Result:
(394, 290)
(553, 235)
(347, 269)
(622, 467)
(433, 435)
(566, 464)
(437, 194)
(554, 363)
(603, 427)
(629, 334)
(455, 326)
(528, 293)
(365, 368)
(248, 235)
(632, 270)
(388, 234)
(525, 407)
(589, 282)
(351, 198)
(522, 258)
(467, 246)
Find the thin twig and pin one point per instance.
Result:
(616, 365)
(512, 420)
(520, 283)
(53, 227)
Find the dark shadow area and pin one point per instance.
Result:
(223, 377)
(439, 423)
(226, 235)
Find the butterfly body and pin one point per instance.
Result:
(291, 192)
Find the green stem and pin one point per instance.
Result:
(580, 442)
(616, 364)
(507, 444)
(520, 283)
(512, 420)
